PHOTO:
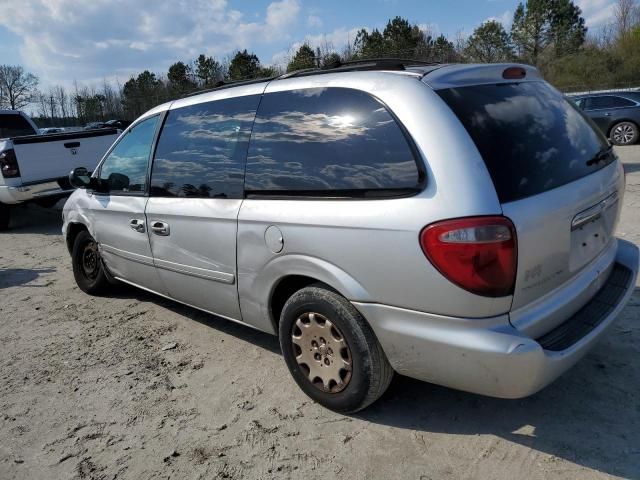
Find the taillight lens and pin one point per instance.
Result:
(9, 164)
(478, 254)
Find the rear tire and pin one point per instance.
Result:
(331, 351)
(88, 270)
(624, 133)
(5, 216)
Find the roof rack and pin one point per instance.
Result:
(361, 65)
(334, 67)
(221, 85)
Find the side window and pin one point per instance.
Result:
(621, 102)
(125, 169)
(323, 140)
(609, 101)
(202, 149)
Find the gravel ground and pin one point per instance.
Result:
(135, 386)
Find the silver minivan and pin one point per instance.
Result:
(452, 223)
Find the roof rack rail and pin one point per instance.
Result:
(221, 85)
(360, 65)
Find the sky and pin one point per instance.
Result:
(62, 41)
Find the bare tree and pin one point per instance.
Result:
(17, 87)
(626, 12)
(61, 97)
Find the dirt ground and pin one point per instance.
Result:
(134, 386)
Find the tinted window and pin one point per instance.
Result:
(125, 169)
(328, 140)
(14, 126)
(530, 137)
(609, 102)
(202, 149)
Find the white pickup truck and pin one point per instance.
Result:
(35, 167)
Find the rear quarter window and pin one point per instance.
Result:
(531, 138)
(329, 141)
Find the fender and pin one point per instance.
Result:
(255, 288)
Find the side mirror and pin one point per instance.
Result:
(80, 177)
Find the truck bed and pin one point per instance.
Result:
(43, 158)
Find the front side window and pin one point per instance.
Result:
(202, 149)
(124, 171)
(328, 141)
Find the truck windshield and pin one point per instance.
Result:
(530, 137)
(14, 125)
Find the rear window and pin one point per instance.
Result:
(531, 138)
(14, 126)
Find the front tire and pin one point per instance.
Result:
(332, 353)
(5, 216)
(87, 265)
(624, 133)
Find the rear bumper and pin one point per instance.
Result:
(12, 195)
(489, 356)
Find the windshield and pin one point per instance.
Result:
(14, 125)
(531, 138)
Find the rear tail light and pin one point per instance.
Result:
(9, 164)
(478, 254)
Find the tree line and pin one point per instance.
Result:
(550, 34)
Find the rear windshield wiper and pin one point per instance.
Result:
(601, 156)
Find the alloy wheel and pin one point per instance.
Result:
(322, 352)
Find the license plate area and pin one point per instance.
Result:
(591, 231)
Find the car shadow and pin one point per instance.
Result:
(242, 332)
(589, 416)
(35, 219)
(15, 277)
(631, 167)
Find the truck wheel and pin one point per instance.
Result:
(47, 202)
(624, 133)
(5, 216)
(331, 351)
(87, 265)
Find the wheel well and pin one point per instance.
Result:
(72, 232)
(283, 290)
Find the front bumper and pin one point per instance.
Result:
(489, 356)
(13, 195)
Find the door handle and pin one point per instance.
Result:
(137, 225)
(608, 114)
(160, 228)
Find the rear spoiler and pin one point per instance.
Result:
(462, 75)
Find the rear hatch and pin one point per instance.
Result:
(555, 175)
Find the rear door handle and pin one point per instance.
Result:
(608, 114)
(160, 228)
(137, 225)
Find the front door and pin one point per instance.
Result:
(196, 193)
(118, 205)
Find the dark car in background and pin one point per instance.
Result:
(616, 114)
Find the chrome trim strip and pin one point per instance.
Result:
(594, 212)
(134, 257)
(197, 272)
